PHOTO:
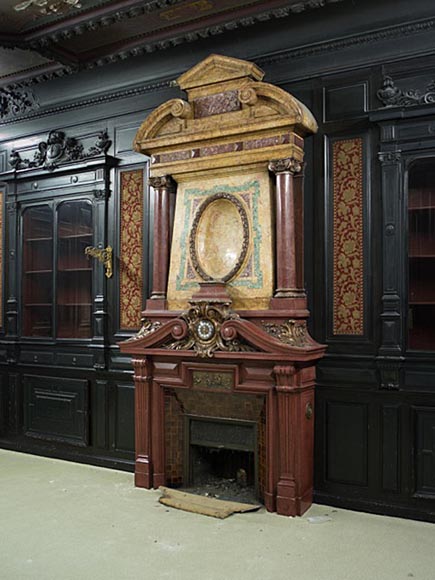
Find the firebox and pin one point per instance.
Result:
(224, 366)
(221, 457)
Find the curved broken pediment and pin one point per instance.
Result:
(226, 102)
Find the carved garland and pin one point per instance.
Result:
(245, 244)
(291, 332)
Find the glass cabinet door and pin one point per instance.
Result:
(421, 255)
(37, 275)
(74, 270)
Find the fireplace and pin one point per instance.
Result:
(224, 366)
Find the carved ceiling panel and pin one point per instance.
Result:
(104, 31)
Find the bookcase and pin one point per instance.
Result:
(421, 255)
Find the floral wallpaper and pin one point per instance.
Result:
(131, 248)
(348, 276)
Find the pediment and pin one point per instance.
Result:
(217, 69)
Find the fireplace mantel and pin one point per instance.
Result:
(226, 322)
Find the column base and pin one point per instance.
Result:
(142, 473)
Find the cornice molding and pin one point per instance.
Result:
(97, 100)
(351, 41)
(388, 33)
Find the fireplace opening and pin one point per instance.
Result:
(221, 458)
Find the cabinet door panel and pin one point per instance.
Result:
(74, 270)
(37, 274)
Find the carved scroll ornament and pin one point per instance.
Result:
(290, 332)
(58, 149)
(392, 96)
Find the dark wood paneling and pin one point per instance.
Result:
(344, 101)
(124, 417)
(425, 451)
(99, 400)
(390, 447)
(56, 408)
(347, 443)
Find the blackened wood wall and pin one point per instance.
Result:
(375, 412)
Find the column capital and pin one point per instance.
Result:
(285, 377)
(287, 165)
(162, 182)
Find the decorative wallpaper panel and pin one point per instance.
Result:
(348, 249)
(131, 248)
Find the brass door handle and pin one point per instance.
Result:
(103, 255)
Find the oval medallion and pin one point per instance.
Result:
(220, 237)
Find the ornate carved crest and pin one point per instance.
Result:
(204, 323)
(392, 96)
(57, 149)
(291, 332)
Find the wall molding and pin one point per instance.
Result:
(92, 101)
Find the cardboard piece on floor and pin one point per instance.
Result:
(198, 504)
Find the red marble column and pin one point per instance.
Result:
(164, 189)
(143, 471)
(289, 229)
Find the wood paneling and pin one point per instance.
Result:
(56, 408)
(347, 443)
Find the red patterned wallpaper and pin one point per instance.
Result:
(348, 276)
(131, 248)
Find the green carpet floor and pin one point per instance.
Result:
(65, 521)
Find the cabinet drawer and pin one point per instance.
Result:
(75, 360)
(37, 358)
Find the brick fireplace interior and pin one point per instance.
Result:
(212, 436)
